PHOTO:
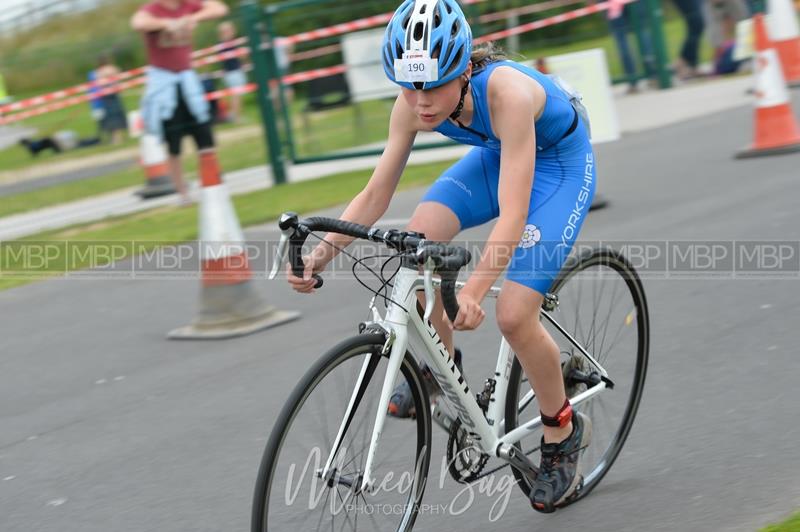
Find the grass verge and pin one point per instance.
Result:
(56, 253)
(790, 525)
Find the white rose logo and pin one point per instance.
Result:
(530, 236)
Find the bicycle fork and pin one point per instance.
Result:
(397, 343)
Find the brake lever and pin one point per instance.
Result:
(427, 273)
(280, 254)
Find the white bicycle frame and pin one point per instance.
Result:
(408, 329)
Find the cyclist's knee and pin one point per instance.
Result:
(438, 222)
(514, 317)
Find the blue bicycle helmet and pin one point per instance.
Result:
(437, 27)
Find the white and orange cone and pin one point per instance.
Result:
(784, 32)
(153, 158)
(776, 130)
(229, 304)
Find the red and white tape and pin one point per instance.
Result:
(235, 43)
(69, 102)
(346, 27)
(48, 103)
(85, 87)
(291, 79)
(57, 95)
(527, 10)
(545, 22)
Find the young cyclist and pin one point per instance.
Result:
(532, 168)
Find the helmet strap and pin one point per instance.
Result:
(460, 107)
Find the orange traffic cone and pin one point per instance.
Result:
(229, 304)
(785, 35)
(153, 158)
(776, 130)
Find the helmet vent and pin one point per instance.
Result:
(423, 8)
(437, 50)
(437, 16)
(456, 60)
(419, 29)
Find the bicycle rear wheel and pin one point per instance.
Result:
(601, 303)
(290, 494)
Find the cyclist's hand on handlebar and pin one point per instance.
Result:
(470, 313)
(304, 285)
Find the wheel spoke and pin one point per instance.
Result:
(607, 309)
(339, 511)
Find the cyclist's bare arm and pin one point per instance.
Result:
(371, 203)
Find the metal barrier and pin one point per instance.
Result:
(330, 45)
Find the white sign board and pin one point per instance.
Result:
(365, 77)
(587, 72)
(745, 40)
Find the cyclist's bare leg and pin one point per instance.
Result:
(536, 350)
(441, 224)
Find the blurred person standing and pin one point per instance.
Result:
(721, 18)
(95, 102)
(174, 103)
(114, 120)
(692, 12)
(619, 14)
(234, 75)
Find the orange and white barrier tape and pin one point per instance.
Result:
(346, 27)
(57, 95)
(235, 43)
(545, 22)
(291, 79)
(85, 87)
(69, 102)
(527, 10)
(202, 58)
(39, 109)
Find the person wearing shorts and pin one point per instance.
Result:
(174, 104)
(532, 169)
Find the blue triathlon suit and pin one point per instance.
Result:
(563, 181)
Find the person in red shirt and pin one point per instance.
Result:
(174, 103)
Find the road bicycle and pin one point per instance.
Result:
(336, 460)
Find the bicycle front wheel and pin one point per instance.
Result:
(601, 304)
(291, 494)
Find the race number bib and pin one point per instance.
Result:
(416, 66)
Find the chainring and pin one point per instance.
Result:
(465, 460)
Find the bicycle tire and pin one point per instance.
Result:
(608, 258)
(363, 344)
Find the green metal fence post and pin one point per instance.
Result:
(250, 12)
(655, 16)
(643, 41)
(272, 65)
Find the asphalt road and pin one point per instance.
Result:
(105, 425)
(64, 177)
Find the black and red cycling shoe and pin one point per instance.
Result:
(560, 476)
